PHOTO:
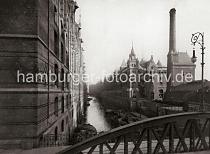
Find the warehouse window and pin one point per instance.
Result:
(62, 105)
(56, 106)
(67, 101)
(55, 15)
(62, 78)
(62, 125)
(56, 134)
(56, 73)
(56, 44)
(62, 53)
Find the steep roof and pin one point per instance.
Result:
(159, 64)
(142, 61)
(147, 63)
(124, 64)
(132, 52)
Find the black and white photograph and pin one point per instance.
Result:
(104, 76)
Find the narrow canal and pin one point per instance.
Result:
(96, 116)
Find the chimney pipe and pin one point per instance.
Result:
(172, 37)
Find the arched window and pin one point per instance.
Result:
(161, 93)
(62, 50)
(56, 106)
(56, 73)
(62, 105)
(62, 125)
(62, 78)
(55, 13)
(70, 104)
(56, 42)
(56, 134)
(67, 80)
(72, 113)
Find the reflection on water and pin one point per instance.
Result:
(96, 116)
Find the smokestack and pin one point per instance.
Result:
(172, 36)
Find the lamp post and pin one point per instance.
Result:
(198, 38)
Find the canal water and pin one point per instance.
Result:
(96, 116)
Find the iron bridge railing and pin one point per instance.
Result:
(51, 140)
(183, 132)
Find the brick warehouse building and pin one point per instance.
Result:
(39, 36)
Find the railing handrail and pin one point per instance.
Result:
(123, 130)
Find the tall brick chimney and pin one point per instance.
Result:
(172, 36)
(172, 48)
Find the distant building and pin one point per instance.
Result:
(133, 68)
(178, 62)
(182, 93)
(39, 37)
(153, 89)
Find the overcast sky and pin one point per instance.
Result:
(110, 26)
